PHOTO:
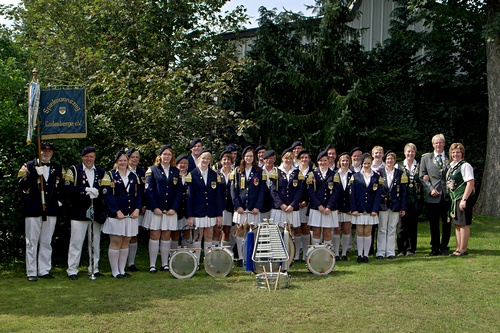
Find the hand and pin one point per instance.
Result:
(158, 212)
(135, 213)
(302, 204)
(255, 211)
(119, 215)
(434, 193)
(355, 213)
(425, 178)
(39, 170)
(92, 195)
(462, 205)
(190, 221)
(240, 210)
(321, 209)
(218, 221)
(327, 211)
(402, 213)
(373, 214)
(92, 192)
(283, 207)
(289, 209)
(171, 212)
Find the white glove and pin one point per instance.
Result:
(92, 195)
(92, 192)
(40, 170)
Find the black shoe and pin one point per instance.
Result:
(127, 275)
(132, 268)
(119, 276)
(344, 258)
(73, 277)
(360, 259)
(409, 253)
(380, 257)
(46, 276)
(365, 259)
(391, 257)
(337, 258)
(97, 274)
(445, 252)
(32, 278)
(240, 263)
(434, 253)
(164, 268)
(152, 269)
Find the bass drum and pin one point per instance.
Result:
(183, 264)
(320, 259)
(218, 262)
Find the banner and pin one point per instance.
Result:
(63, 114)
(33, 104)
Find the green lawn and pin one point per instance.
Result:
(407, 294)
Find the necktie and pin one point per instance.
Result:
(440, 161)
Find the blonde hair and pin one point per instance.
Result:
(411, 146)
(377, 148)
(437, 137)
(458, 145)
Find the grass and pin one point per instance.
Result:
(407, 294)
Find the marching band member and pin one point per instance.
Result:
(365, 204)
(122, 194)
(164, 192)
(269, 158)
(343, 177)
(195, 147)
(377, 154)
(133, 161)
(305, 167)
(356, 154)
(286, 192)
(332, 157)
(40, 223)
(408, 227)
(260, 150)
(248, 184)
(323, 193)
(82, 182)
(226, 160)
(296, 147)
(181, 162)
(393, 206)
(204, 201)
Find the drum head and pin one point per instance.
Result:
(290, 248)
(183, 264)
(320, 260)
(218, 262)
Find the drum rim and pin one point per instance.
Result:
(192, 255)
(318, 248)
(231, 261)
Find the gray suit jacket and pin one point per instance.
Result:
(437, 177)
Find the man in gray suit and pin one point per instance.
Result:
(433, 167)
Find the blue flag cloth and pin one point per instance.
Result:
(63, 114)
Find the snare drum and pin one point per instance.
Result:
(283, 282)
(183, 263)
(218, 262)
(320, 259)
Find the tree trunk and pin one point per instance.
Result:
(488, 202)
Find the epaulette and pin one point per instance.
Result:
(351, 180)
(264, 176)
(381, 180)
(23, 172)
(148, 172)
(69, 176)
(336, 178)
(301, 175)
(188, 178)
(310, 178)
(218, 178)
(404, 178)
(232, 175)
(107, 181)
(273, 174)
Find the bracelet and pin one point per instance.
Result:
(464, 199)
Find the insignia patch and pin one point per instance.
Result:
(213, 185)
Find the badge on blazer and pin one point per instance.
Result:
(295, 182)
(104, 191)
(175, 180)
(256, 181)
(213, 185)
(375, 186)
(330, 185)
(411, 185)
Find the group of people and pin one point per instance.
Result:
(324, 201)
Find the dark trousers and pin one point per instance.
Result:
(408, 228)
(436, 212)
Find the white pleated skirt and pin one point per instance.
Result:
(246, 217)
(266, 215)
(318, 219)
(344, 217)
(204, 222)
(365, 219)
(162, 222)
(302, 215)
(181, 223)
(128, 227)
(227, 218)
(280, 216)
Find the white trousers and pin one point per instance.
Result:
(39, 244)
(386, 235)
(78, 231)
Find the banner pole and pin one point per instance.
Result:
(42, 178)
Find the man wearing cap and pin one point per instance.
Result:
(195, 147)
(260, 150)
(41, 183)
(296, 148)
(356, 154)
(332, 157)
(82, 183)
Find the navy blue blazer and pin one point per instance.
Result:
(344, 200)
(394, 198)
(366, 199)
(75, 183)
(141, 173)
(248, 193)
(288, 192)
(322, 191)
(182, 212)
(30, 183)
(204, 200)
(161, 192)
(226, 191)
(191, 163)
(117, 196)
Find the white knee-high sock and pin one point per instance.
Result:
(122, 260)
(315, 241)
(297, 242)
(132, 252)
(336, 244)
(113, 256)
(197, 245)
(164, 252)
(346, 240)
(174, 245)
(366, 245)
(306, 239)
(359, 245)
(239, 247)
(154, 246)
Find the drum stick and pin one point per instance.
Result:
(267, 280)
(277, 279)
